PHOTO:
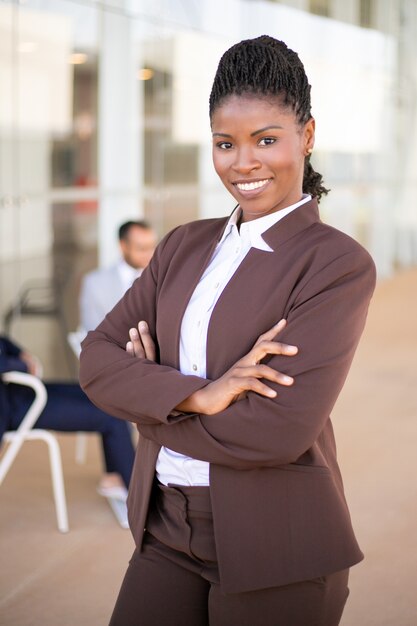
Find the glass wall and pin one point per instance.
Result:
(104, 117)
(48, 157)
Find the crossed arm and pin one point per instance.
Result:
(243, 376)
(234, 421)
(237, 422)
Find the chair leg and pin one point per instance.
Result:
(57, 479)
(10, 454)
(80, 448)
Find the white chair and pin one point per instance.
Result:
(25, 432)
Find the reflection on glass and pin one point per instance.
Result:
(74, 153)
(170, 167)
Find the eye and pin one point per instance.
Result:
(224, 145)
(267, 141)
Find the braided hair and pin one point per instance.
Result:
(266, 67)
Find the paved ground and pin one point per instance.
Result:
(48, 579)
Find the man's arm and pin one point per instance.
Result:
(90, 313)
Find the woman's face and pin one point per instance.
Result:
(258, 152)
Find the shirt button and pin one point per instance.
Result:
(237, 250)
(217, 285)
(199, 323)
(194, 367)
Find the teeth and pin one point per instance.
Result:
(250, 186)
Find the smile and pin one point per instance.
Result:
(251, 186)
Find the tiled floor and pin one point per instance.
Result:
(49, 579)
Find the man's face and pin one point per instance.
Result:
(138, 247)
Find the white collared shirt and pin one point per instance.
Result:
(128, 274)
(171, 466)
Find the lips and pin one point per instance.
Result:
(251, 187)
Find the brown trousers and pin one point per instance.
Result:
(174, 580)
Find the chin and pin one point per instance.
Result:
(253, 209)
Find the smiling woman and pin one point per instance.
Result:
(258, 152)
(236, 504)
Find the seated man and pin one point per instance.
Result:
(67, 410)
(103, 288)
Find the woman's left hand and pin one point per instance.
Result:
(141, 343)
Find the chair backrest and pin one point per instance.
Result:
(34, 411)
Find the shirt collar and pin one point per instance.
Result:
(252, 231)
(127, 272)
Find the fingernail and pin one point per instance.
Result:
(272, 393)
(142, 326)
(288, 379)
(133, 332)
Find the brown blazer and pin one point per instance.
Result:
(279, 510)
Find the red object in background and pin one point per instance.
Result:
(85, 206)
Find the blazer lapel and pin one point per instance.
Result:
(180, 281)
(243, 299)
(296, 221)
(258, 294)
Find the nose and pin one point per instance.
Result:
(245, 161)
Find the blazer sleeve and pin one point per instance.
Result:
(325, 322)
(121, 384)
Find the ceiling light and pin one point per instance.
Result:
(145, 73)
(78, 58)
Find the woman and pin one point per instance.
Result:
(67, 410)
(236, 478)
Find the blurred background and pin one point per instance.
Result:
(104, 118)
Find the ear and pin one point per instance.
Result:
(309, 132)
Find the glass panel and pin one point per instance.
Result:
(48, 167)
(60, 42)
(180, 183)
(170, 167)
(320, 7)
(365, 16)
(74, 153)
(9, 201)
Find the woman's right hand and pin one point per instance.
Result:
(243, 376)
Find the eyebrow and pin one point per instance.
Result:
(255, 132)
(261, 130)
